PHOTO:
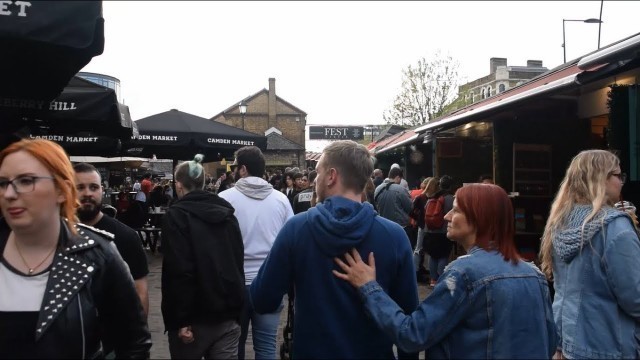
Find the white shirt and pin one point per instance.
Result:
(21, 292)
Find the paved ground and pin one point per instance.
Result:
(160, 348)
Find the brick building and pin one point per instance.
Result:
(281, 122)
(501, 78)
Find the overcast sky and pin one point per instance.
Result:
(338, 61)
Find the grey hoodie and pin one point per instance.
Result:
(254, 187)
(569, 241)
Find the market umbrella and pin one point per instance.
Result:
(82, 106)
(178, 135)
(81, 143)
(45, 43)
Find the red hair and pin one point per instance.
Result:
(55, 159)
(488, 208)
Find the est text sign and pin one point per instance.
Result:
(336, 132)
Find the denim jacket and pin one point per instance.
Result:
(482, 307)
(597, 281)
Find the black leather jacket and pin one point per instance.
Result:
(90, 297)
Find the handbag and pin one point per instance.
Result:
(287, 332)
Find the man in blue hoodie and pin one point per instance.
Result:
(329, 318)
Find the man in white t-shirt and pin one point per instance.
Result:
(261, 212)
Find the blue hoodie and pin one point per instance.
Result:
(330, 321)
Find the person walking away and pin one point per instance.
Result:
(490, 305)
(146, 185)
(436, 243)
(126, 240)
(393, 203)
(64, 289)
(590, 250)
(417, 214)
(368, 194)
(202, 270)
(328, 320)
(261, 212)
(403, 182)
(416, 192)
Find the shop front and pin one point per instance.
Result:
(526, 137)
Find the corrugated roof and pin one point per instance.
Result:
(406, 138)
(313, 156)
(562, 76)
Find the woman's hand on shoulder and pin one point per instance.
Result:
(356, 271)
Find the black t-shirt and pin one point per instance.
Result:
(302, 201)
(128, 244)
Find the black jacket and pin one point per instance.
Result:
(203, 265)
(89, 297)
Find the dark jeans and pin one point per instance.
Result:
(211, 341)
(412, 234)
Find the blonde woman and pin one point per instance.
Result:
(592, 252)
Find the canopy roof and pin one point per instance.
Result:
(82, 106)
(44, 43)
(178, 135)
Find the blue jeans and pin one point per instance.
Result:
(419, 256)
(436, 267)
(264, 330)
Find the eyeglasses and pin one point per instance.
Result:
(621, 176)
(21, 184)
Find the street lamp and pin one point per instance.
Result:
(587, 21)
(243, 110)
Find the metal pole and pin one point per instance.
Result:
(564, 48)
(242, 121)
(600, 24)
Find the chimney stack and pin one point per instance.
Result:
(534, 63)
(494, 62)
(272, 102)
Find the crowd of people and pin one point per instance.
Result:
(346, 244)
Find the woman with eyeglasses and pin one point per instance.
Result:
(65, 292)
(592, 252)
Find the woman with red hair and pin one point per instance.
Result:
(487, 304)
(65, 292)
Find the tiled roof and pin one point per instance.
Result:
(276, 141)
(313, 156)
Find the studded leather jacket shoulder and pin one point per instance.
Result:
(90, 298)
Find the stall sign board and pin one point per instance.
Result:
(336, 132)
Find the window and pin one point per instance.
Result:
(484, 94)
(501, 88)
(489, 91)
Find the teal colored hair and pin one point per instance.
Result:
(191, 173)
(195, 166)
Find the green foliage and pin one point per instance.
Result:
(427, 88)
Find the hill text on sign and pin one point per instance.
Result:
(336, 132)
